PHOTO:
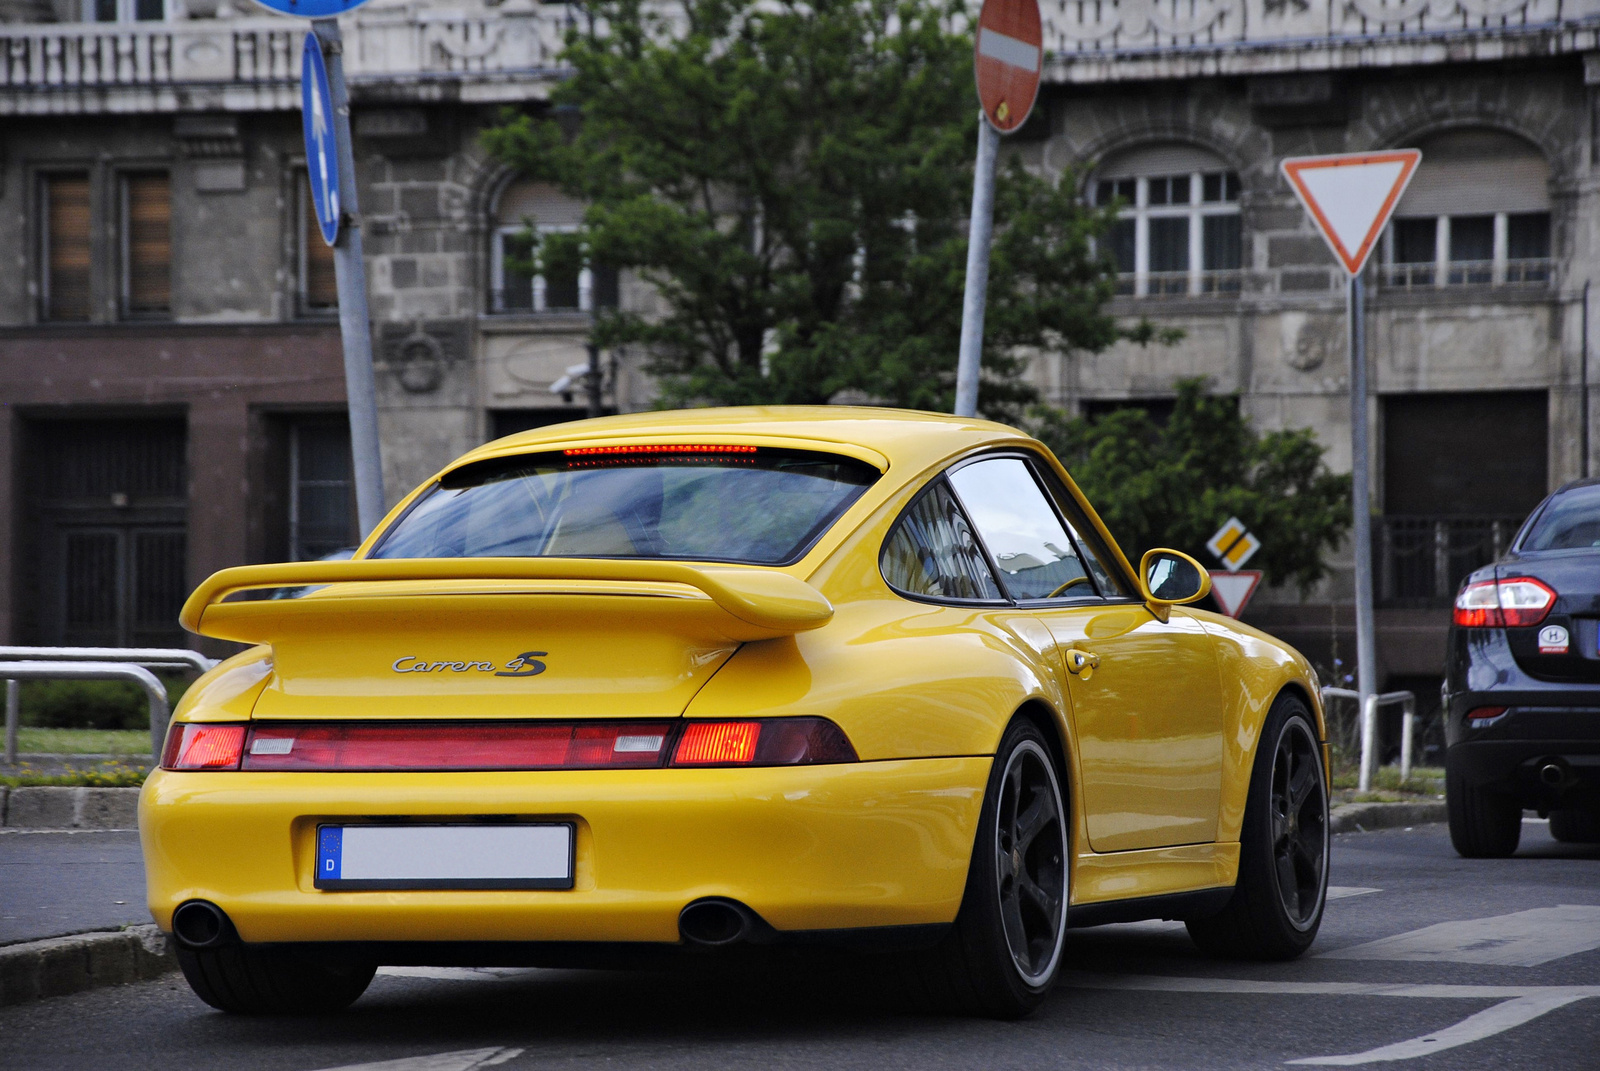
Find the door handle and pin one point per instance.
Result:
(1083, 663)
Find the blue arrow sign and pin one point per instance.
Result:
(322, 157)
(311, 9)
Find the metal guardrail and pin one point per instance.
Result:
(1369, 728)
(95, 663)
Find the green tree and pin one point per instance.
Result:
(1174, 486)
(793, 178)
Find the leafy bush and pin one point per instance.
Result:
(69, 704)
(1174, 486)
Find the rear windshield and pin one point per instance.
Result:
(715, 503)
(1570, 521)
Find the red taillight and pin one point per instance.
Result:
(1483, 717)
(1513, 603)
(717, 743)
(442, 746)
(461, 746)
(198, 746)
(773, 742)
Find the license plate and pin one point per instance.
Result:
(521, 856)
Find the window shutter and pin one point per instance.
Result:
(320, 287)
(66, 239)
(147, 238)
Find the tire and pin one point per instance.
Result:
(273, 980)
(1278, 900)
(1575, 826)
(1002, 955)
(1483, 824)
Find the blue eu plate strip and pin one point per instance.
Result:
(330, 848)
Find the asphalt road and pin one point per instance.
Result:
(1482, 964)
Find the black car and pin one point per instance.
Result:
(1522, 683)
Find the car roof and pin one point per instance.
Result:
(906, 439)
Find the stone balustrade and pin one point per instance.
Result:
(76, 67)
(1088, 40)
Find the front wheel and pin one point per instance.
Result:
(1001, 957)
(1277, 903)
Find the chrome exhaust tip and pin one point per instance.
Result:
(1554, 774)
(200, 924)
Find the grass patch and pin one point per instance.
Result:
(109, 774)
(1424, 780)
(83, 741)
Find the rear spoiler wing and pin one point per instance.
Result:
(764, 603)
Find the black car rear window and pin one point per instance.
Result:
(1569, 521)
(715, 503)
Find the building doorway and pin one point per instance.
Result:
(107, 503)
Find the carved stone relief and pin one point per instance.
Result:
(420, 354)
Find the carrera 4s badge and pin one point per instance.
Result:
(526, 664)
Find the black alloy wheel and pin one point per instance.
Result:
(1278, 900)
(1001, 956)
(1029, 865)
(1299, 824)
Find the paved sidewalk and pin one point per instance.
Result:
(68, 881)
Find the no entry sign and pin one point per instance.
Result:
(1009, 58)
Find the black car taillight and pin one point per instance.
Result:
(1512, 603)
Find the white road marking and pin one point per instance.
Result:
(1522, 939)
(457, 974)
(1487, 1023)
(463, 1060)
(1342, 892)
(1519, 1004)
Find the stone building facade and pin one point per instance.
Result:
(159, 140)
(1477, 295)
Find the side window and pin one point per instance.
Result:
(1036, 557)
(932, 552)
(1095, 555)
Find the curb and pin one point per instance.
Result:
(1366, 817)
(55, 807)
(61, 965)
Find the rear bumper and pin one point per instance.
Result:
(808, 848)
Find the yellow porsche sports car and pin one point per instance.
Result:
(727, 677)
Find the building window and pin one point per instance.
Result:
(321, 489)
(64, 247)
(1477, 214)
(124, 10)
(513, 287)
(146, 234)
(1178, 228)
(318, 290)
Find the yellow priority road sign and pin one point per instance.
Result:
(1233, 544)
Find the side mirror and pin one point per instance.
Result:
(1171, 578)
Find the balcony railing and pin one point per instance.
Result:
(1422, 560)
(378, 45)
(1531, 272)
(1181, 284)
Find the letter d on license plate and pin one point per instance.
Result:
(521, 856)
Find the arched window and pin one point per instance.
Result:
(1177, 231)
(1477, 213)
(512, 289)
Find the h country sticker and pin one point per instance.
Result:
(1553, 639)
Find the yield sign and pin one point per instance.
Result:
(1008, 59)
(1233, 590)
(1351, 195)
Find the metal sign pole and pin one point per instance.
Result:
(977, 288)
(350, 272)
(1361, 503)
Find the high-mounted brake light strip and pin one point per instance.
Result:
(660, 448)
